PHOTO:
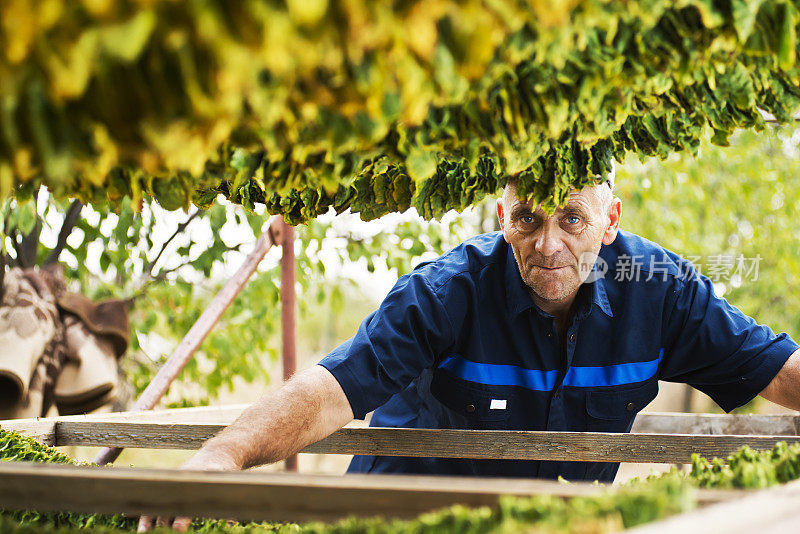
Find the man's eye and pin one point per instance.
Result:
(527, 219)
(573, 219)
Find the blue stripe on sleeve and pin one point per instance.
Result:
(511, 375)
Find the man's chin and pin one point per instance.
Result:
(551, 297)
(550, 294)
(549, 291)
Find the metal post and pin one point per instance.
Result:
(288, 313)
(194, 338)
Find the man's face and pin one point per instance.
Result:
(555, 253)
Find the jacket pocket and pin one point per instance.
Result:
(470, 406)
(614, 410)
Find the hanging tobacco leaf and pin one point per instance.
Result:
(374, 106)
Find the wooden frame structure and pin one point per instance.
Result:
(656, 438)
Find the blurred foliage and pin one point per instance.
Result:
(249, 332)
(171, 270)
(373, 106)
(728, 203)
(114, 255)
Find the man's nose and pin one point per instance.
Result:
(547, 242)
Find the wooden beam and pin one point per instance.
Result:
(768, 512)
(494, 444)
(552, 446)
(252, 495)
(200, 414)
(260, 496)
(704, 423)
(43, 430)
(646, 423)
(288, 314)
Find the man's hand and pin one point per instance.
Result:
(308, 408)
(206, 459)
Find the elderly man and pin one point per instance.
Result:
(516, 330)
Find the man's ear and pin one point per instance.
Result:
(500, 213)
(614, 215)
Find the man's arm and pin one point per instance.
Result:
(785, 387)
(308, 408)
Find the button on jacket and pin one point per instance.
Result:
(459, 343)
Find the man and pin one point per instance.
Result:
(516, 330)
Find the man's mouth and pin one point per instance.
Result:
(550, 268)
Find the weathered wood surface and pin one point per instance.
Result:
(647, 423)
(44, 428)
(260, 496)
(705, 423)
(770, 511)
(188, 428)
(553, 446)
(252, 495)
(497, 444)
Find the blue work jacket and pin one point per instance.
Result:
(459, 343)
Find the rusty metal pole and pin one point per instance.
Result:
(288, 313)
(195, 336)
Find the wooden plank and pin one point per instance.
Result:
(766, 511)
(254, 496)
(647, 423)
(181, 436)
(495, 444)
(552, 446)
(715, 424)
(43, 430)
(201, 414)
(260, 496)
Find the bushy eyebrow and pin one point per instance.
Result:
(569, 208)
(575, 208)
(521, 210)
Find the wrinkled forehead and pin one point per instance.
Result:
(589, 197)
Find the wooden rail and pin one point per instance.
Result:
(551, 446)
(705, 423)
(44, 429)
(252, 495)
(259, 496)
(477, 444)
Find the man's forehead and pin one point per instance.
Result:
(576, 198)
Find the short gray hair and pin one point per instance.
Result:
(609, 177)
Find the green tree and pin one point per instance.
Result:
(170, 279)
(733, 202)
